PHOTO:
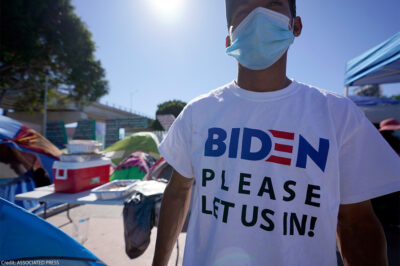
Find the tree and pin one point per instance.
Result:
(156, 125)
(173, 107)
(46, 37)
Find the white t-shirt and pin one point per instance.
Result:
(271, 170)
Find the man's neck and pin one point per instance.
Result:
(270, 79)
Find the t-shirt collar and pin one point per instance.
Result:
(263, 96)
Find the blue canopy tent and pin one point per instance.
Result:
(379, 65)
(26, 237)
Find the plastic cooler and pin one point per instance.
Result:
(74, 177)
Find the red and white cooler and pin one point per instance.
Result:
(74, 177)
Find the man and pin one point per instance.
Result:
(280, 166)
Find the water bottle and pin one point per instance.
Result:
(81, 230)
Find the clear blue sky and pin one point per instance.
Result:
(152, 56)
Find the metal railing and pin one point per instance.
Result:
(125, 109)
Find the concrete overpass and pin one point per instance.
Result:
(69, 114)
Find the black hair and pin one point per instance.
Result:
(231, 3)
(292, 5)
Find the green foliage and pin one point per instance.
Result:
(173, 107)
(396, 97)
(156, 125)
(47, 34)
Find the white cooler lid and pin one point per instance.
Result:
(80, 165)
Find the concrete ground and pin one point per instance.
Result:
(105, 235)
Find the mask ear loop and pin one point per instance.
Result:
(291, 25)
(231, 32)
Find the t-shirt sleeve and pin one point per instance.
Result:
(176, 146)
(369, 167)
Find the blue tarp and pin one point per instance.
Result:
(14, 186)
(9, 128)
(379, 65)
(378, 109)
(26, 236)
(46, 161)
(372, 101)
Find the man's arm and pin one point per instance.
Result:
(360, 236)
(173, 212)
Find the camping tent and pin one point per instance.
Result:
(141, 141)
(29, 240)
(23, 155)
(136, 166)
(377, 109)
(161, 170)
(22, 138)
(379, 65)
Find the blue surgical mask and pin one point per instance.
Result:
(261, 39)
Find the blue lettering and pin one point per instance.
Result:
(319, 157)
(218, 141)
(233, 145)
(266, 143)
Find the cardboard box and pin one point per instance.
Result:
(74, 177)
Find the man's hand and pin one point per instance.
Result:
(360, 236)
(174, 207)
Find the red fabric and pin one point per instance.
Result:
(30, 139)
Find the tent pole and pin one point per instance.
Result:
(346, 91)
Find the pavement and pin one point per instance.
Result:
(105, 235)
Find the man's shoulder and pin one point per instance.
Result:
(319, 92)
(332, 99)
(213, 96)
(339, 107)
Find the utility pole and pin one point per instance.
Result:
(131, 101)
(46, 88)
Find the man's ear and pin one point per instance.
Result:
(227, 41)
(297, 27)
